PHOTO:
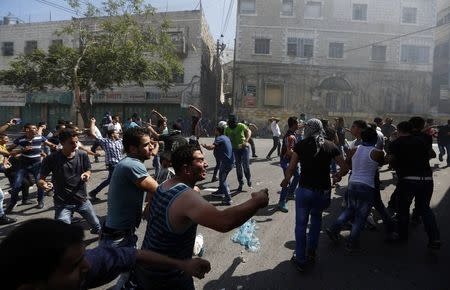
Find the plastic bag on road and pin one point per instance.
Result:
(245, 236)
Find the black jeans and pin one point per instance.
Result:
(276, 145)
(421, 190)
(252, 146)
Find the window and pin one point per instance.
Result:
(300, 47)
(262, 46)
(287, 8)
(274, 95)
(409, 15)
(331, 102)
(30, 46)
(378, 52)
(57, 42)
(313, 9)
(360, 12)
(336, 50)
(8, 48)
(415, 54)
(247, 7)
(346, 103)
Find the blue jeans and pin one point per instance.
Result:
(128, 241)
(34, 169)
(359, 204)
(225, 168)
(63, 212)
(242, 157)
(216, 169)
(447, 148)
(308, 203)
(105, 182)
(284, 163)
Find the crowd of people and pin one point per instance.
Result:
(314, 157)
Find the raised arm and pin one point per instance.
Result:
(6, 126)
(195, 111)
(158, 114)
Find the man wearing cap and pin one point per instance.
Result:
(239, 135)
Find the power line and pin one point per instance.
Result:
(57, 6)
(223, 12)
(227, 19)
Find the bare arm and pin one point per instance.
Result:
(195, 110)
(148, 184)
(152, 131)
(159, 115)
(192, 206)
(290, 170)
(6, 126)
(344, 168)
(209, 147)
(193, 267)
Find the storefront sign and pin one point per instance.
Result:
(12, 99)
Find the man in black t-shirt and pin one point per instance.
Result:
(313, 195)
(71, 170)
(409, 155)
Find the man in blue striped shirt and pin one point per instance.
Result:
(30, 162)
(113, 147)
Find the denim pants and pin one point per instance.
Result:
(360, 201)
(105, 182)
(95, 146)
(225, 168)
(276, 145)
(447, 148)
(216, 169)
(63, 212)
(421, 190)
(284, 163)
(252, 146)
(127, 241)
(34, 169)
(308, 203)
(242, 158)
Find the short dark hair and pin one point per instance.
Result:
(404, 127)
(183, 155)
(369, 135)
(377, 120)
(59, 126)
(372, 125)
(165, 155)
(324, 122)
(176, 126)
(361, 124)
(292, 121)
(418, 123)
(110, 132)
(132, 137)
(160, 122)
(50, 238)
(67, 134)
(3, 135)
(28, 125)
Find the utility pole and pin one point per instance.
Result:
(220, 46)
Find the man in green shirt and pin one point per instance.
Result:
(239, 135)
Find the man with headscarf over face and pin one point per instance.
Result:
(313, 194)
(239, 135)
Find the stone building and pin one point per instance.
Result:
(441, 64)
(351, 58)
(197, 85)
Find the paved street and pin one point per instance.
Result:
(379, 266)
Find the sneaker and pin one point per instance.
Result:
(255, 156)
(214, 179)
(434, 245)
(334, 237)
(40, 205)
(268, 158)
(9, 209)
(227, 201)
(298, 266)
(4, 220)
(240, 187)
(217, 194)
(27, 202)
(282, 206)
(93, 196)
(249, 183)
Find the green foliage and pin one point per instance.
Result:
(117, 44)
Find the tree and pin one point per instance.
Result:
(116, 44)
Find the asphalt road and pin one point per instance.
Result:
(378, 266)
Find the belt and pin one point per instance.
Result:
(418, 178)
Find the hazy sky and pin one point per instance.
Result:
(215, 11)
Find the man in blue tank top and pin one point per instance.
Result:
(175, 212)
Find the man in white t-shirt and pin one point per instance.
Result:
(276, 133)
(115, 125)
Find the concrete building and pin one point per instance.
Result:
(351, 58)
(197, 85)
(441, 69)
